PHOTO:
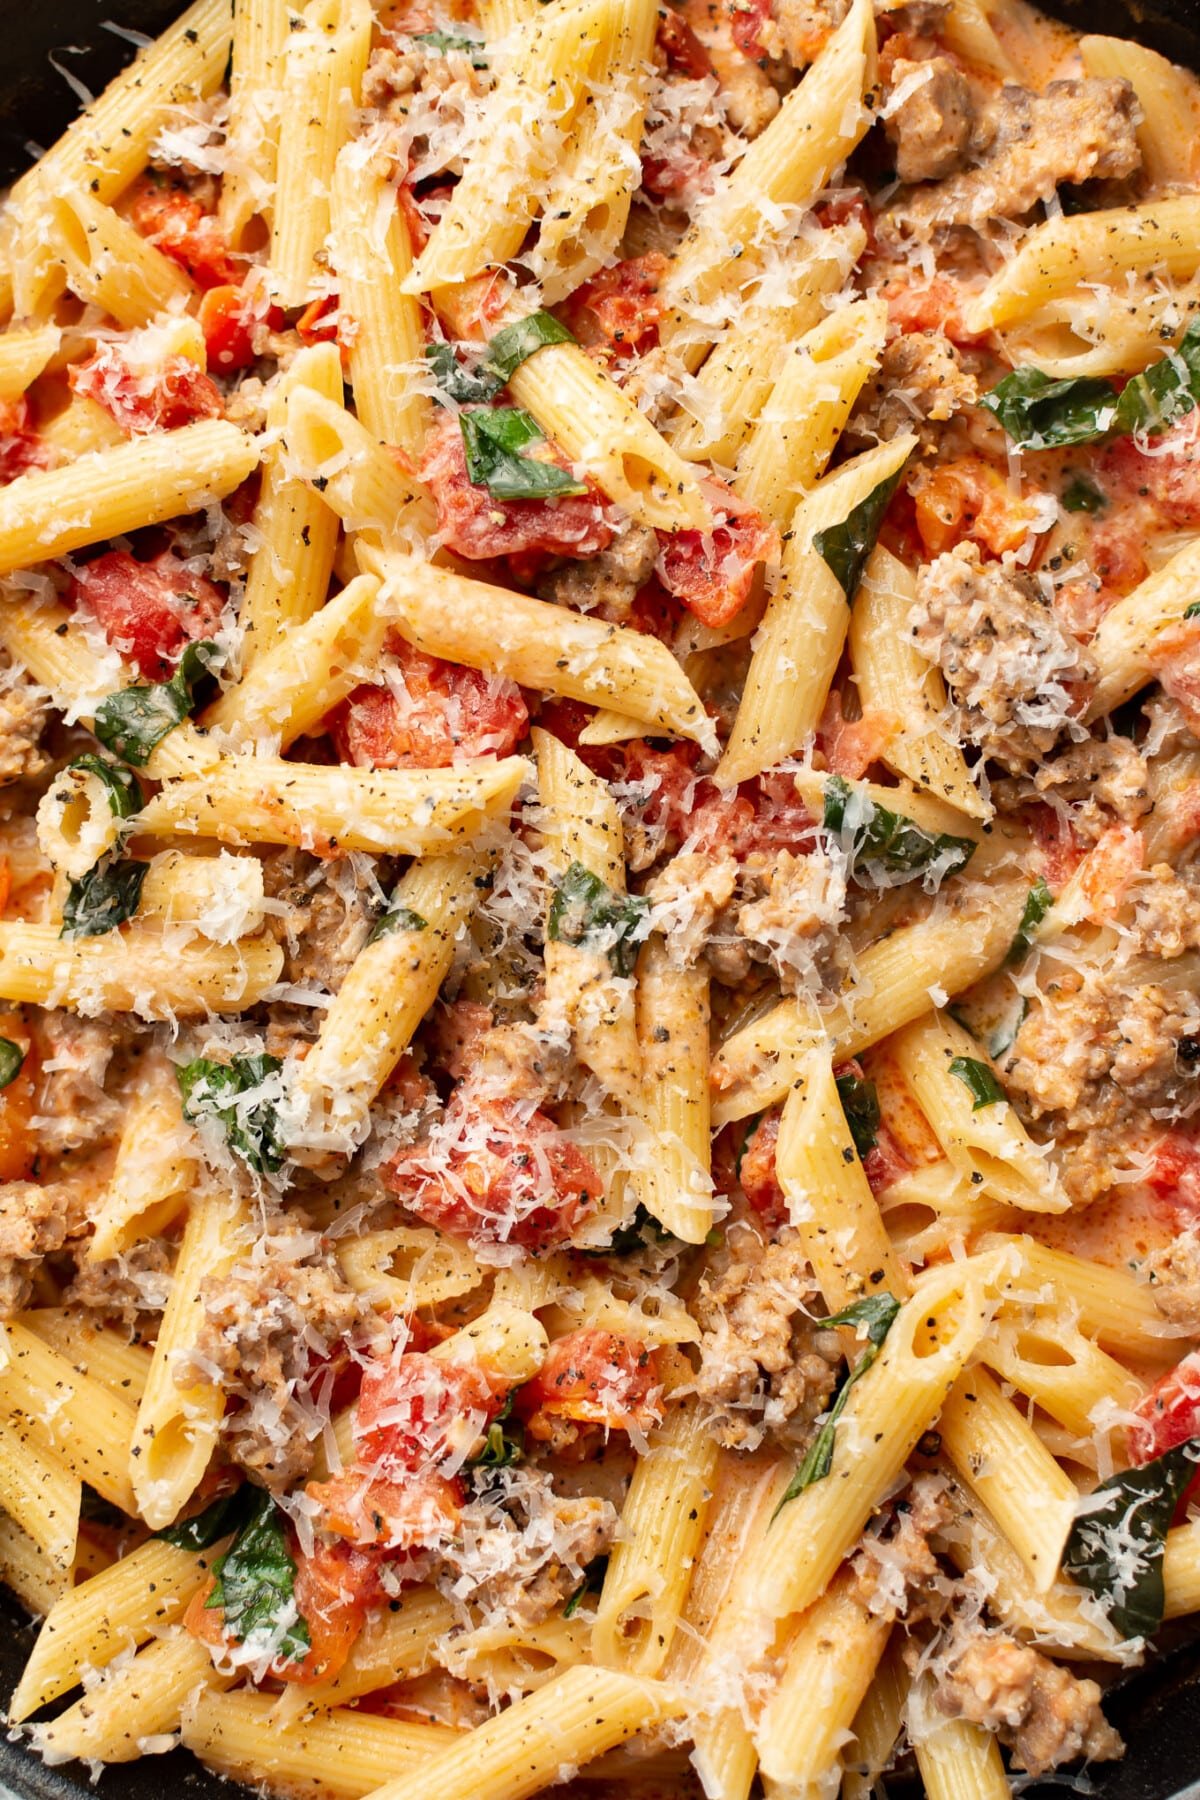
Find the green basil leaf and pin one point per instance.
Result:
(593, 1581)
(878, 1314)
(1192, 610)
(1080, 496)
(122, 786)
(860, 1103)
(213, 1090)
(103, 898)
(504, 1443)
(134, 721)
(456, 379)
(495, 440)
(1166, 390)
(585, 912)
(451, 40)
(847, 546)
(204, 1528)
(1040, 413)
(1115, 1547)
(984, 1089)
(12, 1058)
(514, 343)
(884, 843)
(1038, 902)
(255, 1586)
(397, 918)
(641, 1230)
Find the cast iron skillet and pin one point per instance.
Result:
(1158, 1709)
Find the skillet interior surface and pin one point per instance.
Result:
(1157, 1710)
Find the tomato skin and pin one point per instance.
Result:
(174, 395)
(757, 1176)
(230, 318)
(595, 1378)
(763, 815)
(679, 45)
(18, 1141)
(1059, 849)
(495, 1176)
(1169, 1414)
(620, 307)
(450, 712)
(713, 572)
(177, 224)
(410, 1410)
(148, 610)
(969, 500)
(746, 20)
(473, 522)
(319, 322)
(1169, 477)
(20, 447)
(1175, 1174)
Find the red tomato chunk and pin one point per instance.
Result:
(148, 610)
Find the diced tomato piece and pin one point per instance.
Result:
(756, 1172)
(850, 746)
(667, 797)
(620, 306)
(415, 1412)
(233, 320)
(684, 53)
(148, 610)
(933, 304)
(444, 712)
(333, 1588)
(493, 1175)
(970, 499)
(472, 521)
(885, 1161)
(413, 1514)
(318, 323)
(20, 447)
(712, 572)
(1175, 1174)
(1171, 1414)
(176, 222)
(1059, 848)
(161, 399)
(683, 172)
(1166, 471)
(18, 1140)
(746, 21)
(593, 1378)
(1109, 868)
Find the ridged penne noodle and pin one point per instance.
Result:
(539, 645)
(94, 1623)
(372, 254)
(1109, 1304)
(156, 1164)
(260, 32)
(1069, 1376)
(828, 1196)
(112, 491)
(674, 1178)
(1166, 129)
(797, 646)
(137, 969)
(294, 529)
(818, 382)
(877, 1726)
(408, 1267)
(662, 1524)
(1127, 636)
(177, 1422)
(357, 477)
(998, 1456)
(138, 1702)
(41, 1495)
(24, 352)
(958, 1760)
(101, 1351)
(111, 264)
(324, 60)
(83, 1423)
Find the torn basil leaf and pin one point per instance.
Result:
(255, 1586)
(495, 439)
(12, 1059)
(134, 721)
(103, 898)
(1038, 902)
(587, 913)
(214, 1090)
(1041, 413)
(1115, 1547)
(471, 384)
(504, 1443)
(886, 844)
(860, 1103)
(204, 1528)
(1005, 1034)
(1192, 610)
(846, 547)
(877, 1313)
(451, 40)
(979, 1080)
(121, 785)
(397, 918)
(514, 343)
(1080, 496)
(642, 1229)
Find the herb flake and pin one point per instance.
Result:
(1041, 413)
(846, 547)
(860, 1103)
(133, 722)
(212, 1090)
(1115, 1547)
(495, 440)
(1038, 902)
(255, 1585)
(587, 913)
(979, 1081)
(877, 1314)
(886, 844)
(121, 786)
(12, 1059)
(104, 898)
